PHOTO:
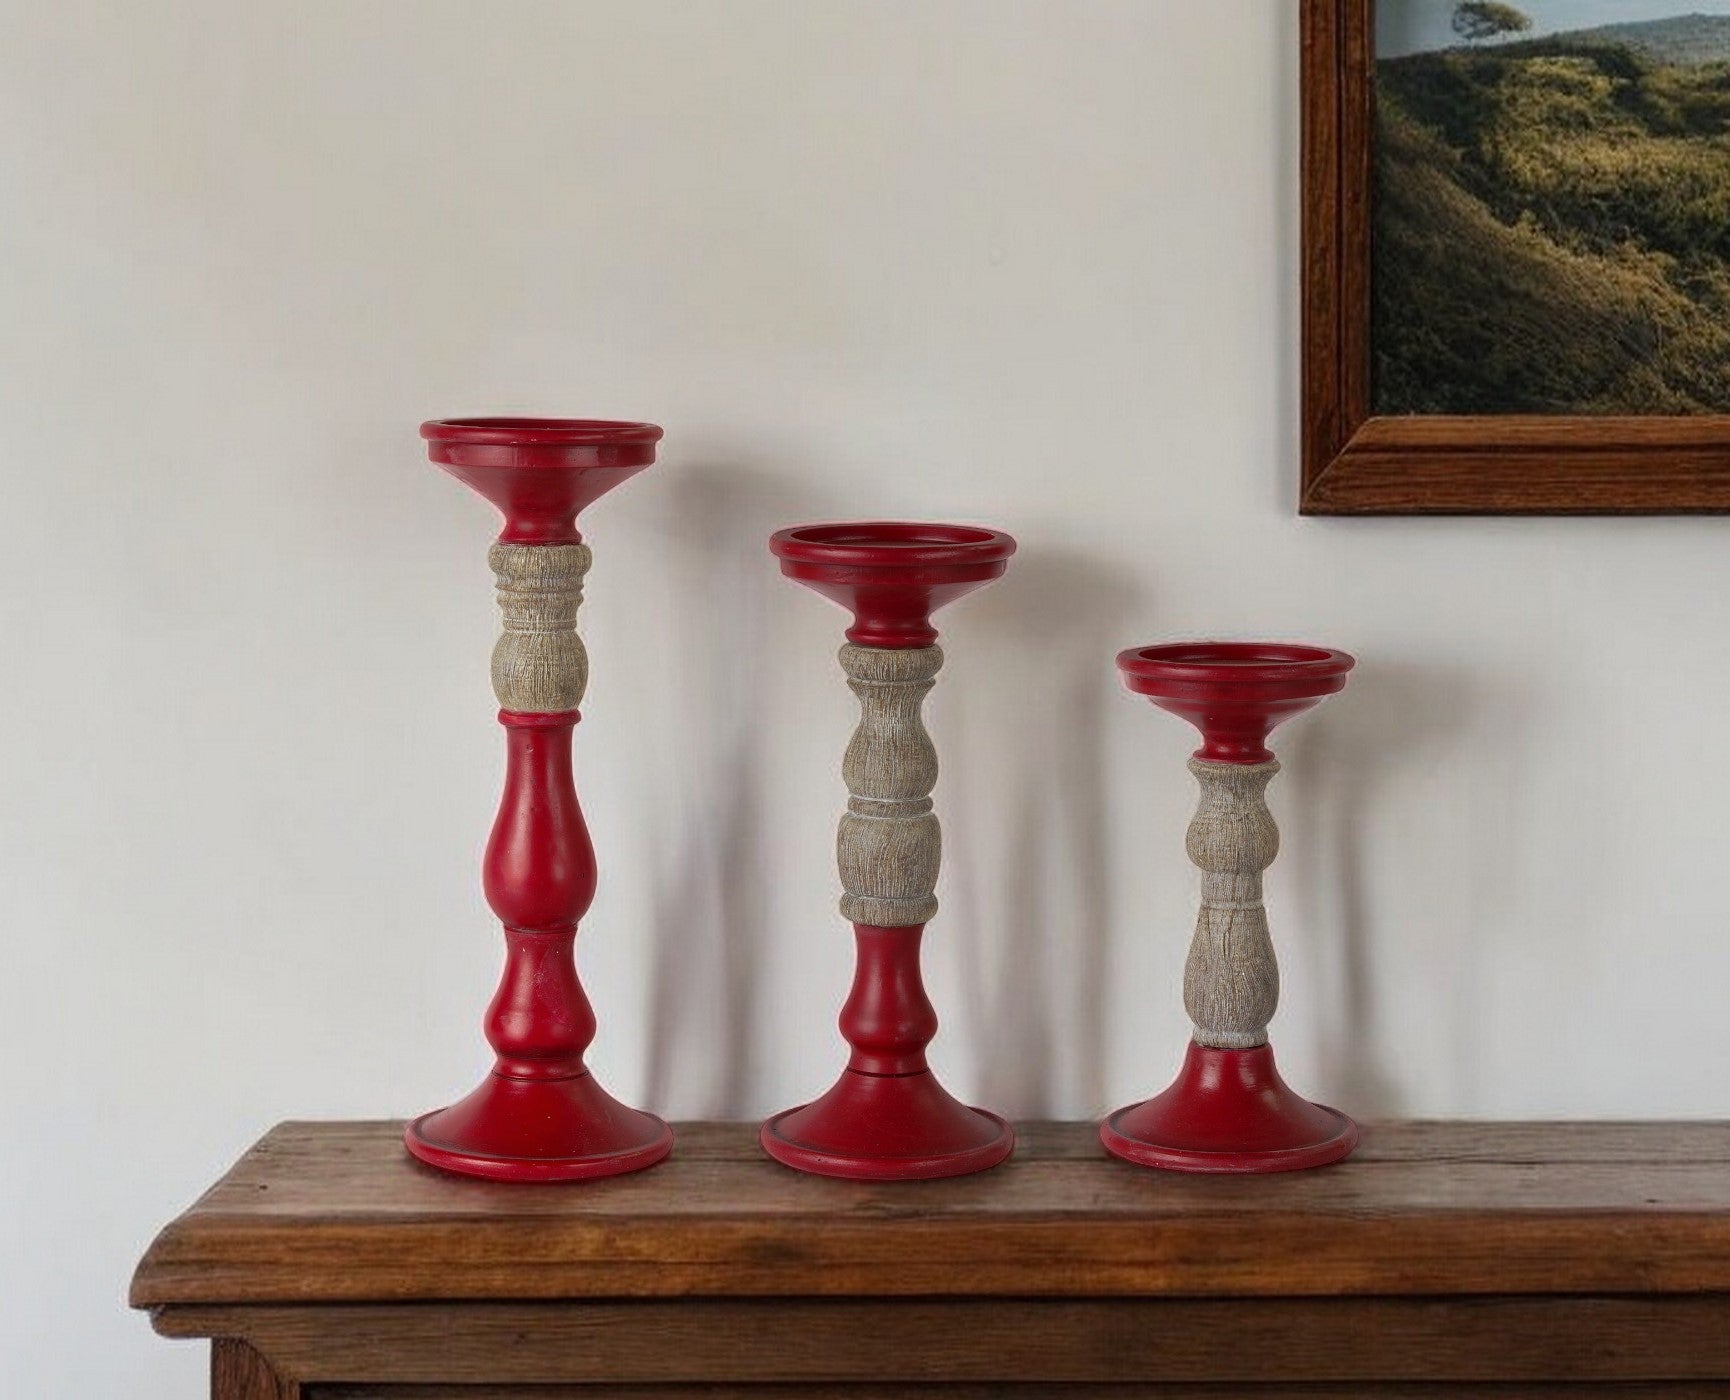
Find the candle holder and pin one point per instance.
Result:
(887, 1118)
(539, 1116)
(1229, 1110)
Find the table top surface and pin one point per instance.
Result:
(338, 1212)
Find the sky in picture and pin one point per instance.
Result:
(1413, 26)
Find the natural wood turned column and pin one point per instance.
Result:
(1231, 980)
(889, 844)
(539, 663)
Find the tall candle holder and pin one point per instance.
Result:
(1229, 1110)
(540, 1115)
(887, 1118)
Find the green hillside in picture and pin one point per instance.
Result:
(1551, 227)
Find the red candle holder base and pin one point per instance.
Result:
(539, 1130)
(1229, 1111)
(888, 1127)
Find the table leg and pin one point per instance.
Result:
(240, 1372)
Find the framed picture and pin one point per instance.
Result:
(1516, 269)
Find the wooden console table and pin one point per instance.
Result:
(1485, 1260)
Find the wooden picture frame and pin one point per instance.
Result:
(1355, 463)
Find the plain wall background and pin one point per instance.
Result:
(1032, 264)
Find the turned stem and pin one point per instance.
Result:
(888, 1020)
(889, 844)
(539, 871)
(1231, 980)
(539, 663)
(888, 849)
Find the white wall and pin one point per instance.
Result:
(1026, 263)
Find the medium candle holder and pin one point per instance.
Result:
(540, 1115)
(887, 1118)
(1229, 1110)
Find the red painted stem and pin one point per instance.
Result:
(539, 877)
(539, 871)
(887, 1018)
(540, 1021)
(887, 1118)
(539, 1116)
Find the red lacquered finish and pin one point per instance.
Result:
(1228, 1109)
(892, 574)
(540, 472)
(1234, 692)
(539, 1116)
(888, 1118)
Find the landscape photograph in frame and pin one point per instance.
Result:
(1551, 209)
(1517, 256)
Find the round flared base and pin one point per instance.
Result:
(1229, 1111)
(539, 1130)
(887, 1127)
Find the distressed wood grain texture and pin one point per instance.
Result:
(889, 844)
(1231, 978)
(539, 663)
(239, 1372)
(337, 1212)
(970, 1341)
(1521, 1261)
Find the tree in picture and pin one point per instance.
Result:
(1484, 19)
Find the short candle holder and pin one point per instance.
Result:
(887, 1118)
(539, 1116)
(1229, 1110)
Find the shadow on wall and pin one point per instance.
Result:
(708, 925)
(1027, 909)
(1023, 798)
(1021, 722)
(1394, 730)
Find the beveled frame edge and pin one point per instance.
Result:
(1356, 464)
